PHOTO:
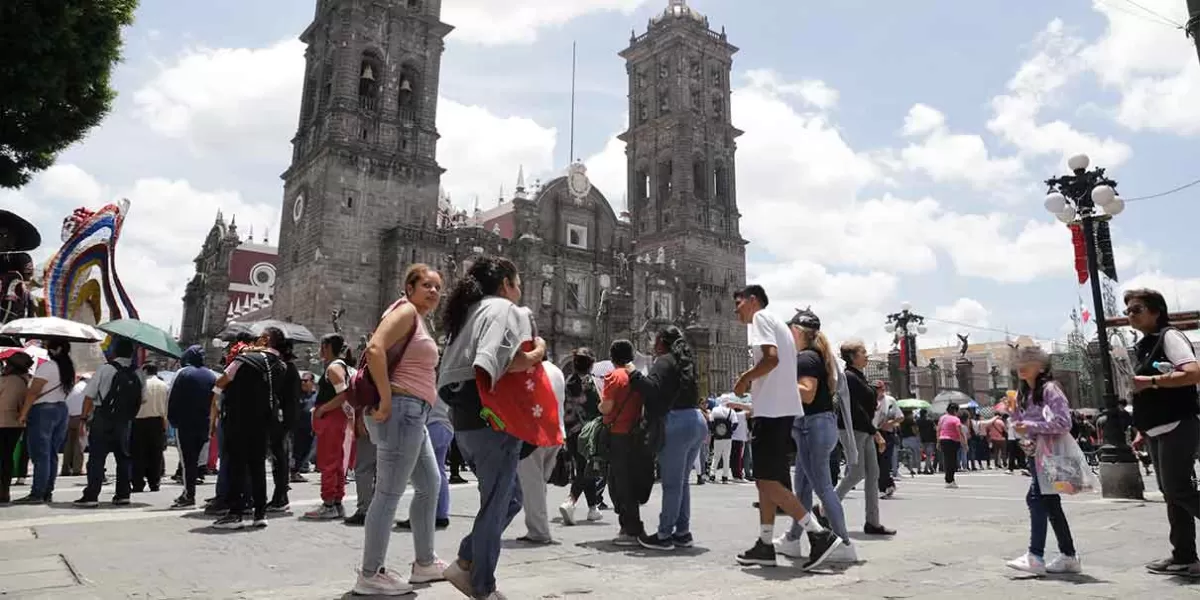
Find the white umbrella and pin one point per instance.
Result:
(52, 328)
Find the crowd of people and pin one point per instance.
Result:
(409, 407)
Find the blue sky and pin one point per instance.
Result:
(905, 141)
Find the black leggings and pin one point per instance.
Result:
(9, 436)
(949, 458)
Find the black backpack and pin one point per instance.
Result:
(722, 428)
(255, 393)
(124, 397)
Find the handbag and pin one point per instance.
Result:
(1061, 466)
(361, 392)
(523, 405)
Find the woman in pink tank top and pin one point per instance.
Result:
(397, 426)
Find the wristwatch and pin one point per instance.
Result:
(1154, 381)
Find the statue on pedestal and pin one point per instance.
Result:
(962, 350)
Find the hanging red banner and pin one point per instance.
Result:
(1077, 240)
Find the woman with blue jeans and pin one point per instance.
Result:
(485, 333)
(403, 349)
(816, 435)
(44, 415)
(441, 434)
(670, 388)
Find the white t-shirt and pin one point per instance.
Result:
(1179, 351)
(776, 393)
(558, 381)
(75, 399)
(52, 390)
(742, 432)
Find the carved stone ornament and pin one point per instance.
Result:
(578, 183)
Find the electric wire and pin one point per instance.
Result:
(1166, 193)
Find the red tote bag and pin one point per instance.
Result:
(523, 405)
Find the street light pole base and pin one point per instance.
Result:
(1120, 474)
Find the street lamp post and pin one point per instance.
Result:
(1079, 198)
(907, 325)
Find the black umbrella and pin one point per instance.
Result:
(292, 331)
(17, 234)
(233, 331)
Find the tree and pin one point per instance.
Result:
(54, 79)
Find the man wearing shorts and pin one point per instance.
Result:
(776, 404)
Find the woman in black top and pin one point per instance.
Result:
(816, 434)
(670, 394)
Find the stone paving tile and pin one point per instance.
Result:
(952, 544)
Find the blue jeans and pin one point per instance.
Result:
(45, 434)
(495, 455)
(1043, 508)
(816, 436)
(402, 451)
(442, 436)
(685, 434)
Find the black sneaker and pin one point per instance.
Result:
(82, 503)
(183, 502)
(653, 542)
(30, 499)
(120, 501)
(278, 506)
(761, 554)
(216, 508)
(357, 519)
(260, 522)
(230, 522)
(298, 478)
(406, 525)
(821, 545)
(683, 540)
(1168, 566)
(870, 529)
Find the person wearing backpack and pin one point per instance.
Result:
(253, 388)
(1164, 411)
(111, 401)
(280, 430)
(581, 406)
(724, 422)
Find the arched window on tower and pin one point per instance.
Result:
(368, 84)
(414, 5)
(721, 182)
(409, 93)
(700, 178)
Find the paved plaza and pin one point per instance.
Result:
(951, 544)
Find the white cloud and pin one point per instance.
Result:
(488, 22)
(1151, 65)
(479, 149)
(952, 157)
(606, 170)
(1037, 85)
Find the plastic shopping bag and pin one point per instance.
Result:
(1061, 466)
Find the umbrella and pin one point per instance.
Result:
(17, 234)
(914, 404)
(233, 331)
(144, 334)
(39, 354)
(292, 331)
(42, 328)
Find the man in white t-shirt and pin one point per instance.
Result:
(772, 383)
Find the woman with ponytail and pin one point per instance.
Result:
(816, 435)
(485, 330)
(670, 392)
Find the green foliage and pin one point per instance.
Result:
(54, 77)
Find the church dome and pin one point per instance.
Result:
(679, 9)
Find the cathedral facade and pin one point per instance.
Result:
(362, 202)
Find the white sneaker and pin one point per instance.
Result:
(789, 548)
(845, 553)
(567, 510)
(459, 578)
(1065, 564)
(383, 583)
(1028, 563)
(953, 485)
(594, 514)
(428, 573)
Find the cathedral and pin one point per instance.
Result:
(362, 201)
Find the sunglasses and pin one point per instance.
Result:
(1135, 310)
